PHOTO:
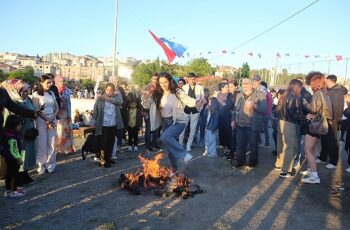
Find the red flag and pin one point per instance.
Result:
(306, 56)
(250, 54)
(168, 52)
(339, 57)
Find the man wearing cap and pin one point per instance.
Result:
(195, 91)
(250, 103)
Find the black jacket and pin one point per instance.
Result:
(336, 93)
(292, 110)
(6, 102)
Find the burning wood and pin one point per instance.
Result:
(151, 176)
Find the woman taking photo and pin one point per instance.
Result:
(320, 103)
(46, 125)
(64, 142)
(171, 101)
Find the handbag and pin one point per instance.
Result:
(319, 124)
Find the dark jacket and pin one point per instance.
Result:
(336, 93)
(6, 102)
(292, 110)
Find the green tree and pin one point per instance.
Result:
(26, 74)
(2, 76)
(243, 72)
(142, 73)
(88, 84)
(200, 66)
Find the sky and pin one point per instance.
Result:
(84, 27)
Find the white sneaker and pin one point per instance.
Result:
(306, 172)
(188, 149)
(136, 149)
(96, 159)
(348, 169)
(130, 149)
(50, 170)
(187, 158)
(7, 193)
(114, 157)
(16, 194)
(311, 180)
(330, 166)
(204, 154)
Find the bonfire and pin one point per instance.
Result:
(151, 176)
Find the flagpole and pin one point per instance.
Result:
(114, 70)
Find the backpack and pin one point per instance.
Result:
(91, 145)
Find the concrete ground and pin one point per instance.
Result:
(80, 195)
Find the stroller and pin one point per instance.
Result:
(91, 145)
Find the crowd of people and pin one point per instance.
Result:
(181, 115)
(36, 128)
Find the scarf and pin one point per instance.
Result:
(15, 88)
(58, 79)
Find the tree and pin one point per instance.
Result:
(26, 74)
(88, 84)
(243, 72)
(200, 66)
(2, 76)
(142, 73)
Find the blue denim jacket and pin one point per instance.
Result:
(213, 123)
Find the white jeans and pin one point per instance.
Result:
(45, 145)
(193, 119)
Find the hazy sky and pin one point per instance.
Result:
(86, 27)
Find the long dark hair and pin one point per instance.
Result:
(294, 88)
(158, 93)
(43, 78)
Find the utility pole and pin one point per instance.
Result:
(115, 71)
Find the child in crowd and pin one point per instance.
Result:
(12, 148)
(134, 120)
(212, 127)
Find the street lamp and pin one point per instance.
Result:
(115, 72)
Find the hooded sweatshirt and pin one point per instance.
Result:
(336, 93)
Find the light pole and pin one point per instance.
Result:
(115, 71)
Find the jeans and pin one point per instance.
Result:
(175, 151)
(265, 126)
(166, 122)
(150, 136)
(193, 120)
(246, 136)
(210, 142)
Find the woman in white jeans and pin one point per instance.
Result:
(46, 124)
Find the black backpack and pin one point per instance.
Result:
(91, 145)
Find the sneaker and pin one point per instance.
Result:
(21, 190)
(285, 174)
(348, 169)
(50, 171)
(205, 154)
(311, 180)
(188, 149)
(306, 172)
(318, 161)
(16, 194)
(187, 158)
(96, 159)
(114, 157)
(130, 149)
(330, 166)
(136, 149)
(7, 193)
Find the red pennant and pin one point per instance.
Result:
(339, 57)
(224, 51)
(278, 55)
(168, 52)
(250, 53)
(306, 56)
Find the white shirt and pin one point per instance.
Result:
(166, 105)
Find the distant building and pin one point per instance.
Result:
(43, 68)
(6, 68)
(224, 71)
